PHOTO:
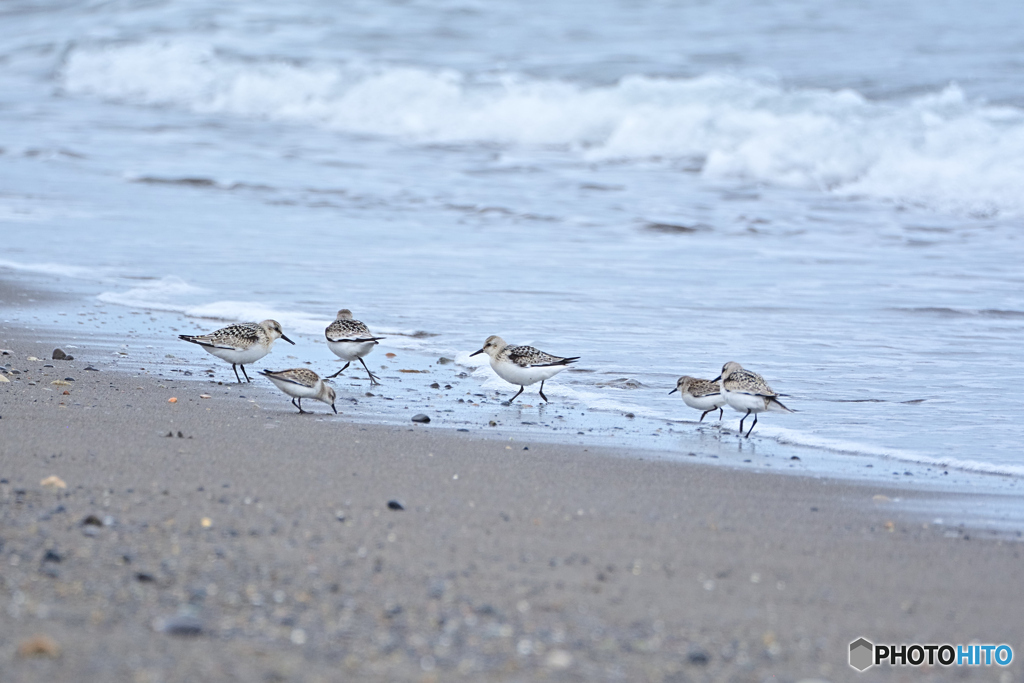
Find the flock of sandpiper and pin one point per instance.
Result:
(350, 340)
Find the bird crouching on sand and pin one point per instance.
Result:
(300, 383)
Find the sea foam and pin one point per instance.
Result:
(942, 149)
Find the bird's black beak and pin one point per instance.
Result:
(673, 391)
(717, 378)
(288, 340)
(477, 353)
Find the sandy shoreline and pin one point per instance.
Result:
(271, 533)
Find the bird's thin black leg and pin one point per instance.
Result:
(542, 391)
(373, 377)
(340, 371)
(742, 419)
(721, 413)
(235, 368)
(703, 414)
(305, 412)
(294, 403)
(517, 394)
(753, 425)
(244, 373)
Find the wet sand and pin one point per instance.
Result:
(231, 538)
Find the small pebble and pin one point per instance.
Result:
(558, 660)
(39, 645)
(92, 520)
(53, 481)
(444, 361)
(180, 625)
(420, 417)
(395, 505)
(59, 354)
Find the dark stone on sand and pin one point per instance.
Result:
(698, 657)
(181, 625)
(420, 417)
(92, 520)
(144, 577)
(59, 354)
(50, 513)
(435, 385)
(69, 379)
(395, 505)
(444, 361)
(794, 458)
(91, 369)
(52, 556)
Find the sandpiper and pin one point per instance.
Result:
(522, 365)
(300, 383)
(350, 340)
(701, 394)
(747, 392)
(241, 343)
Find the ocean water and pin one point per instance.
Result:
(829, 194)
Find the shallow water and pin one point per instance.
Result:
(829, 196)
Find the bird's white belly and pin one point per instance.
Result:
(350, 351)
(704, 402)
(240, 357)
(745, 402)
(292, 389)
(524, 377)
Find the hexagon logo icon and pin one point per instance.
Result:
(861, 654)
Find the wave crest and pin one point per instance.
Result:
(942, 149)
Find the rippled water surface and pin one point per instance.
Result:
(827, 194)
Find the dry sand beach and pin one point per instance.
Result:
(234, 539)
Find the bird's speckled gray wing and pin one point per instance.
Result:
(238, 337)
(529, 357)
(704, 387)
(300, 376)
(348, 330)
(747, 382)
